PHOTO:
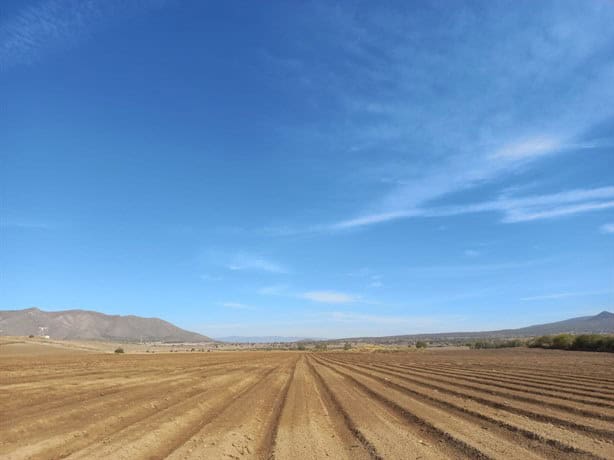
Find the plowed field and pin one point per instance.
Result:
(505, 404)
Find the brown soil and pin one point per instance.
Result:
(505, 404)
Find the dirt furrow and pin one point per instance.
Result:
(99, 405)
(310, 426)
(465, 433)
(47, 399)
(164, 431)
(517, 384)
(542, 436)
(586, 389)
(384, 432)
(600, 428)
(584, 408)
(236, 432)
(95, 427)
(555, 377)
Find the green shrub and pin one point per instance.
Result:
(301, 347)
(481, 344)
(545, 341)
(119, 350)
(347, 346)
(583, 342)
(594, 342)
(562, 341)
(421, 344)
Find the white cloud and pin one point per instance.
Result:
(524, 215)
(275, 290)
(329, 297)
(244, 261)
(376, 284)
(607, 228)
(371, 219)
(562, 295)
(485, 128)
(207, 277)
(528, 149)
(52, 24)
(471, 253)
(236, 306)
(514, 209)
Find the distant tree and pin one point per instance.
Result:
(421, 344)
(300, 347)
(562, 341)
(321, 347)
(119, 350)
(31, 336)
(347, 346)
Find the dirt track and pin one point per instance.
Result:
(436, 404)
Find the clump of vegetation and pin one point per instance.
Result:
(30, 336)
(487, 344)
(563, 341)
(119, 350)
(301, 347)
(321, 347)
(421, 344)
(347, 346)
(583, 342)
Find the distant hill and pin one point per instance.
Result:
(84, 324)
(600, 323)
(262, 339)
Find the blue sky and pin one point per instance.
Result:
(311, 168)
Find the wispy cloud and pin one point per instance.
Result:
(471, 253)
(54, 24)
(562, 295)
(607, 228)
(237, 306)
(210, 278)
(26, 224)
(528, 149)
(520, 209)
(274, 290)
(323, 296)
(524, 215)
(331, 297)
(477, 113)
(245, 261)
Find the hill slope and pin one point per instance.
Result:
(600, 323)
(83, 324)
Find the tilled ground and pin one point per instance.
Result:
(506, 404)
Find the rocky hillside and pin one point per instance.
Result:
(83, 324)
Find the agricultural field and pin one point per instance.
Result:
(432, 404)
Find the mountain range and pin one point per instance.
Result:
(597, 324)
(91, 325)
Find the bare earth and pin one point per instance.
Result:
(505, 404)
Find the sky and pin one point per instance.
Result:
(312, 169)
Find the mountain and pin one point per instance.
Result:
(600, 323)
(84, 324)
